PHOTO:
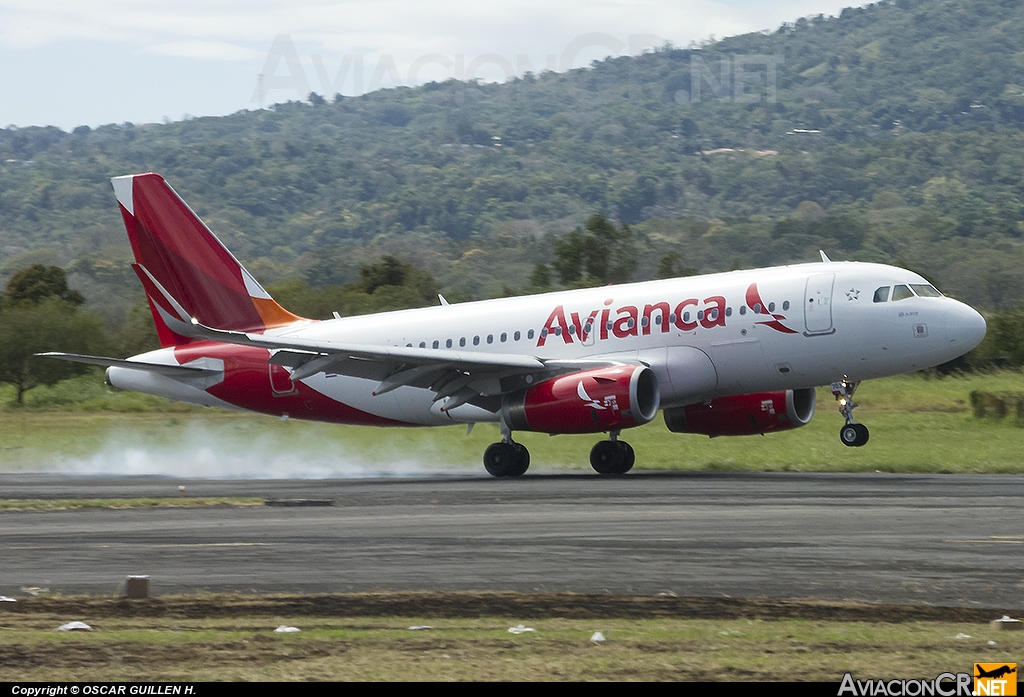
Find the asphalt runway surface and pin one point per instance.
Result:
(953, 540)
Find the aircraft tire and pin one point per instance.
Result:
(628, 457)
(606, 457)
(853, 435)
(522, 461)
(501, 459)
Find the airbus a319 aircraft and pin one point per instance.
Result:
(735, 353)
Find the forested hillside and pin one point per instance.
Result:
(894, 132)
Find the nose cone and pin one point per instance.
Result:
(965, 328)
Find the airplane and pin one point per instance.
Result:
(737, 353)
(995, 672)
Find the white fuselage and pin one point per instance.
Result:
(706, 336)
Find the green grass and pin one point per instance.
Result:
(918, 424)
(481, 648)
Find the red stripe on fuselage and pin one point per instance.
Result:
(247, 384)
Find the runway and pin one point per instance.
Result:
(952, 540)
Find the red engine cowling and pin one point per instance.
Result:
(745, 414)
(590, 401)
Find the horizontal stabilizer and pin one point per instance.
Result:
(171, 371)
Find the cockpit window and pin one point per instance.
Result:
(882, 294)
(901, 292)
(925, 290)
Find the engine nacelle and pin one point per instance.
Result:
(590, 401)
(745, 414)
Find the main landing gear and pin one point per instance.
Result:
(851, 434)
(507, 458)
(510, 459)
(612, 456)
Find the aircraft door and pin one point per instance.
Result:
(818, 303)
(281, 381)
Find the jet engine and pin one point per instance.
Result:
(745, 414)
(589, 401)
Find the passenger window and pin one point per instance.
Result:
(504, 337)
(490, 338)
(462, 341)
(435, 343)
(901, 292)
(785, 305)
(743, 309)
(423, 344)
(882, 294)
(529, 335)
(448, 344)
(476, 340)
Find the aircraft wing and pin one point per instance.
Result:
(458, 376)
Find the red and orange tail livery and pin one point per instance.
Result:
(177, 251)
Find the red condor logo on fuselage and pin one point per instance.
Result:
(632, 321)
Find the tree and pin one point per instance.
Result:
(49, 325)
(598, 253)
(36, 282)
(397, 284)
(40, 313)
(669, 267)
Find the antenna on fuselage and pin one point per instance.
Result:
(824, 257)
(441, 298)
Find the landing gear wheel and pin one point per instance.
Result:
(854, 435)
(628, 457)
(612, 457)
(506, 459)
(500, 459)
(607, 457)
(522, 461)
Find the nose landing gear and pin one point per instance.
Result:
(851, 434)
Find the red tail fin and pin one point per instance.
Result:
(173, 245)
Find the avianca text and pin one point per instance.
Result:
(632, 320)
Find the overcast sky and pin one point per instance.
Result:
(73, 62)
